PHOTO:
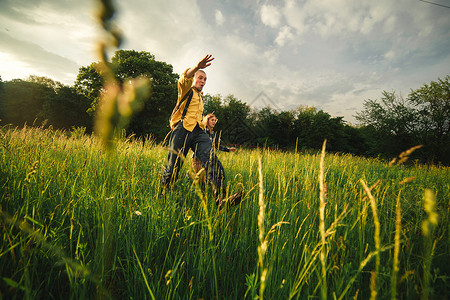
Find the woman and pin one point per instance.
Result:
(210, 121)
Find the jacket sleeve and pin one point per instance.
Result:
(184, 84)
(223, 148)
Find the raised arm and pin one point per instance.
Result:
(203, 63)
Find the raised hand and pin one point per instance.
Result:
(205, 62)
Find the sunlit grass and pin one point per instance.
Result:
(78, 221)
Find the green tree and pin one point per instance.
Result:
(312, 126)
(153, 118)
(213, 104)
(66, 109)
(282, 129)
(302, 126)
(89, 83)
(22, 101)
(39, 99)
(392, 123)
(62, 106)
(2, 99)
(353, 141)
(263, 121)
(45, 81)
(233, 121)
(432, 104)
(275, 128)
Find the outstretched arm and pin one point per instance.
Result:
(203, 63)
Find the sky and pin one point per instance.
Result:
(329, 54)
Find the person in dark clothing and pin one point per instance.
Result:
(210, 121)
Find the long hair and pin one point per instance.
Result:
(209, 116)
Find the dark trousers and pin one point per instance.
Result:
(199, 142)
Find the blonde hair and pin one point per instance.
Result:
(207, 117)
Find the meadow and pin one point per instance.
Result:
(79, 221)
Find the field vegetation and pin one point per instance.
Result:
(79, 221)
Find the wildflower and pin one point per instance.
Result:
(138, 213)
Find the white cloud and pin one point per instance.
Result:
(336, 18)
(173, 31)
(295, 17)
(270, 16)
(284, 36)
(38, 38)
(389, 25)
(390, 55)
(219, 17)
(313, 52)
(271, 55)
(17, 69)
(28, 55)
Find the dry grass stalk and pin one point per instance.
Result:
(376, 222)
(322, 222)
(398, 228)
(119, 101)
(404, 156)
(428, 225)
(262, 241)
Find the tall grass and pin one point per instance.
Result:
(81, 222)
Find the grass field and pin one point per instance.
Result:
(78, 222)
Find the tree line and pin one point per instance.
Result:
(387, 126)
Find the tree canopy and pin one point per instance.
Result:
(127, 64)
(40, 99)
(395, 124)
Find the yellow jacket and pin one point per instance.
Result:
(194, 113)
